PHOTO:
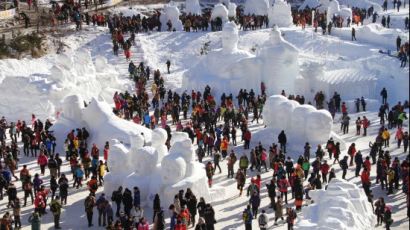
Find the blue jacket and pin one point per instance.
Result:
(147, 119)
(79, 172)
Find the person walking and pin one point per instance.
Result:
(89, 204)
(263, 221)
(168, 63)
(55, 207)
(353, 34)
(247, 218)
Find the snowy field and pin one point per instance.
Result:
(29, 83)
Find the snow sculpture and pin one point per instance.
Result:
(342, 206)
(280, 14)
(280, 63)
(153, 173)
(217, 65)
(171, 12)
(320, 5)
(228, 69)
(301, 123)
(100, 121)
(232, 9)
(104, 125)
(160, 136)
(256, 7)
(220, 11)
(335, 9)
(178, 136)
(193, 7)
(179, 171)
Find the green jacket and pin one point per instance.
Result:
(306, 166)
(35, 221)
(243, 162)
(55, 207)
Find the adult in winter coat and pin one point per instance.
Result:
(279, 210)
(283, 185)
(282, 140)
(298, 190)
(89, 204)
(137, 198)
(191, 203)
(247, 218)
(263, 221)
(272, 192)
(380, 207)
(127, 200)
(42, 160)
(406, 139)
(209, 173)
(55, 207)
(343, 165)
(240, 180)
(209, 216)
(351, 152)
(255, 201)
(102, 215)
(117, 198)
(358, 160)
(231, 160)
(156, 205)
(201, 207)
(365, 178)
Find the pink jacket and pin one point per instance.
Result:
(143, 226)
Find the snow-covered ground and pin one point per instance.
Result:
(183, 49)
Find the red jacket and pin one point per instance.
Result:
(283, 185)
(367, 165)
(365, 123)
(247, 136)
(365, 177)
(257, 182)
(42, 160)
(324, 168)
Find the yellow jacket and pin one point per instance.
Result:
(390, 175)
(385, 135)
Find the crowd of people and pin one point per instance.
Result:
(215, 123)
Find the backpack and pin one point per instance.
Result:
(262, 221)
(245, 216)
